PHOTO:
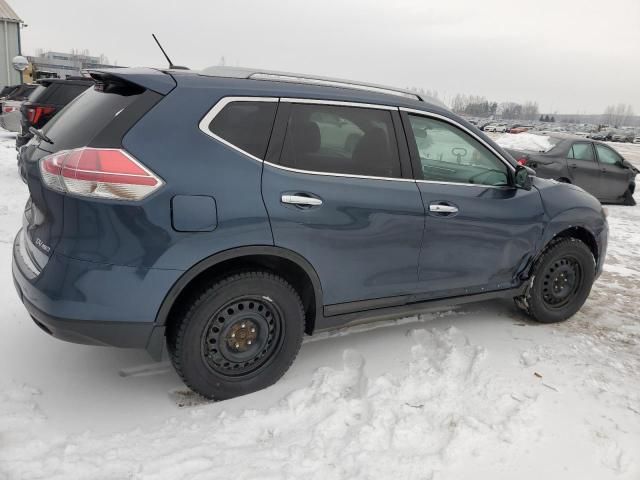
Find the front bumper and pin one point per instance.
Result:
(91, 303)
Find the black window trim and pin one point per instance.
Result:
(204, 123)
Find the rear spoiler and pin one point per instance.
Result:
(148, 78)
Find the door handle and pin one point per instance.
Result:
(573, 165)
(440, 208)
(301, 200)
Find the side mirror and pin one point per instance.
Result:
(522, 178)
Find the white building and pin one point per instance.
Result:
(9, 44)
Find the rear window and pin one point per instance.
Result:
(22, 92)
(60, 93)
(82, 119)
(246, 125)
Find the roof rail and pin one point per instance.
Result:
(255, 74)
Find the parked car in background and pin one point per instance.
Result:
(47, 100)
(636, 139)
(229, 211)
(602, 136)
(10, 107)
(593, 166)
(500, 128)
(518, 129)
(7, 90)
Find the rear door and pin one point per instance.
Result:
(338, 189)
(583, 168)
(479, 230)
(615, 177)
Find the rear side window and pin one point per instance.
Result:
(246, 125)
(581, 151)
(82, 119)
(336, 139)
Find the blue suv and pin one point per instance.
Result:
(227, 212)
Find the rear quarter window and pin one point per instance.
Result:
(246, 125)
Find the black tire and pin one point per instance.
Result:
(561, 281)
(238, 336)
(627, 198)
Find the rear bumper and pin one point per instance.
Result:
(94, 304)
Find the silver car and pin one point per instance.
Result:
(10, 118)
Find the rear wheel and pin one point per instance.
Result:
(561, 281)
(239, 336)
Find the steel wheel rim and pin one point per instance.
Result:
(561, 282)
(242, 336)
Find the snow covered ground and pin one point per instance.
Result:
(477, 391)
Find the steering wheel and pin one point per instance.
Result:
(486, 172)
(459, 152)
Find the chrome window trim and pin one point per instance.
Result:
(464, 184)
(217, 108)
(338, 103)
(331, 174)
(223, 102)
(466, 130)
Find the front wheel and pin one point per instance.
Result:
(239, 336)
(561, 281)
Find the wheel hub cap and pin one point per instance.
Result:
(561, 281)
(241, 336)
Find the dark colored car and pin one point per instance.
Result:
(591, 165)
(21, 92)
(47, 100)
(225, 213)
(7, 90)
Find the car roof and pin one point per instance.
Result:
(270, 83)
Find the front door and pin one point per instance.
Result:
(337, 193)
(479, 231)
(615, 178)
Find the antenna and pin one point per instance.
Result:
(171, 65)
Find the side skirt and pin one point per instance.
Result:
(356, 313)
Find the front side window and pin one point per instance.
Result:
(246, 125)
(608, 156)
(447, 154)
(337, 139)
(581, 151)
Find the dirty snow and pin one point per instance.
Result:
(477, 391)
(524, 141)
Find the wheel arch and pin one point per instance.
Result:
(578, 232)
(286, 263)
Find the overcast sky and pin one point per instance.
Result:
(572, 56)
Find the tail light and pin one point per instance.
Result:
(522, 161)
(36, 113)
(8, 109)
(98, 173)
